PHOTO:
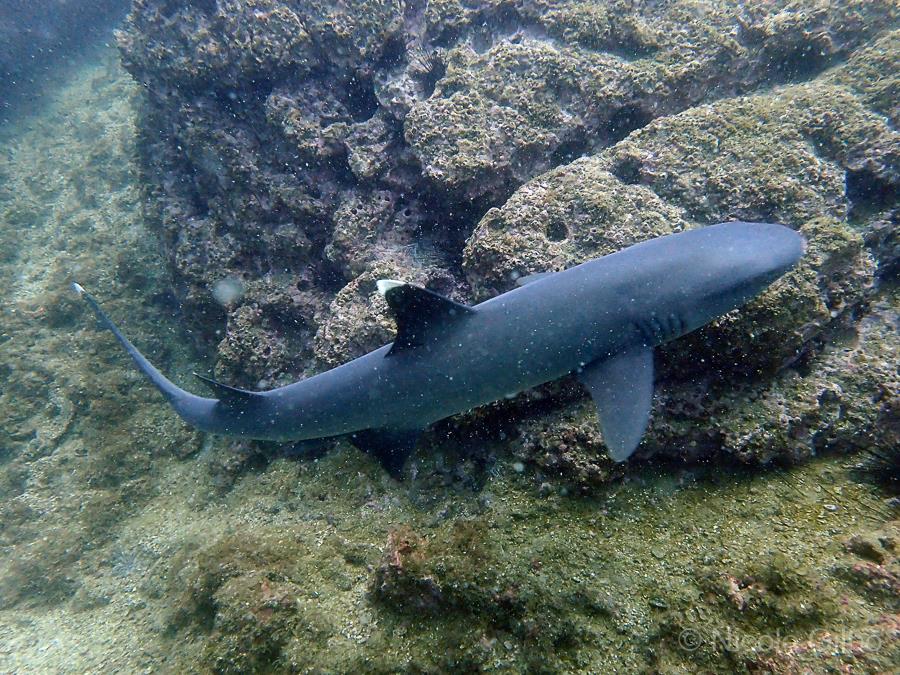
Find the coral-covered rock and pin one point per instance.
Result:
(200, 43)
(403, 578)
(788, 156)
(366, 232)
(358, 320)
(845, 400)
(269, 121)
(566, 445)
(780, 157)
(564, 217)
(513, 103)
(872, 72)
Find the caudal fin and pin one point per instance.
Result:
(186, 404)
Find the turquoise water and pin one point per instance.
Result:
(232, 181)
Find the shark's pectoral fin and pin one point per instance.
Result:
(390, 446)
(418, 312)
(622, 389)
(228, 394)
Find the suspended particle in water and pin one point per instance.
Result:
(228, 291)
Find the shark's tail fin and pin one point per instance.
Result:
(191, 407)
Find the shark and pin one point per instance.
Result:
(600, 320)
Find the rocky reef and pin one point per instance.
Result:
(266, 161)
(297, 145)
(307, 149)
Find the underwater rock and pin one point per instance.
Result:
(401, 579)
(513, 98)
(873, 72)
(266, 122)
(843, 400)
(251, 350)
(365, 232)
(245, 592)
(797, 153)
(876, 564)
(358, 319)
(565, 445)
(460, 573)
(562, 218)
(784, 156)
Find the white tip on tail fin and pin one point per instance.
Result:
(178, 397)
(384, 285)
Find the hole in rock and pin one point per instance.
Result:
(800, 63)
(868, 193)
(628, 170)
(432, 77)
(624, 121)
(360, 100)
(557, 231)
(570, 150)
(392, 53)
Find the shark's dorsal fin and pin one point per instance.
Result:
(418, 312)
(227, 393)
(622, 389)
(529, 278)
(390, 446)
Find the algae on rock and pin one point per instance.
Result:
(71, 210)
(782, 156)
(267, 123)
(307, 158)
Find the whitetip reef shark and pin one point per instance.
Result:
(600, 320)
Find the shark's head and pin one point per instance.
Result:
(726, 265)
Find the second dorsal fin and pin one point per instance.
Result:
(418, 312)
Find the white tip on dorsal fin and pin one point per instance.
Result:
(78, 288)
(384, 285)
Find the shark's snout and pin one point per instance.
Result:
(779, 247)
(763, 250)
(732, 263)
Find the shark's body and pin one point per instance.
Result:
(600, 319)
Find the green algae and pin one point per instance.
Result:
(872, 72)
(583, 74)
(528, 579)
